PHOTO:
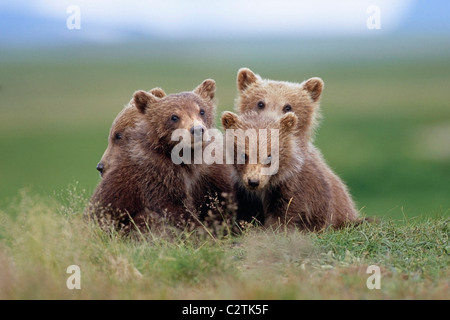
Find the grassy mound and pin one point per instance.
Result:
(40, 238)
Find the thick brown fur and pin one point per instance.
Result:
(122, 127)
(141, 186)
(302, 193)
(305, 192)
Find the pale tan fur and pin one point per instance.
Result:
(270, 98)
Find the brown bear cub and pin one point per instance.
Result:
(299, 191)
(141, 185)
(275, 99)
(121, 129)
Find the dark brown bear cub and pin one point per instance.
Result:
(142, 185)
(121, 129)
(297, 191)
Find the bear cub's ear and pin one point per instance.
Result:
(158, 92)
(314, 87)
(230, 120)
(206, 90)
(288, 122)
(245, 78)
(142, 99)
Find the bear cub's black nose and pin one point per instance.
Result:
(253, 182)
(197, 130)
(100, 168)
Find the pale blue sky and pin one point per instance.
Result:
(44, 21)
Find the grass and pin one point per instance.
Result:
(41, 237)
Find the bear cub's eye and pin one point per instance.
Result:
(118, 136)
(244, 158)
(261, 105)
(174, 118)
(202, 112)
(268, 160)
(287, 108)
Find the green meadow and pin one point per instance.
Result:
(46, 236)
(385, 130)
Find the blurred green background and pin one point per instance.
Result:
(385, 130)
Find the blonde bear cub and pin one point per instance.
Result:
(275, 99)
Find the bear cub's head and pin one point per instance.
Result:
(276, 98)
(263, 149)
(151, 117)
(192, 112)
(121, 134)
